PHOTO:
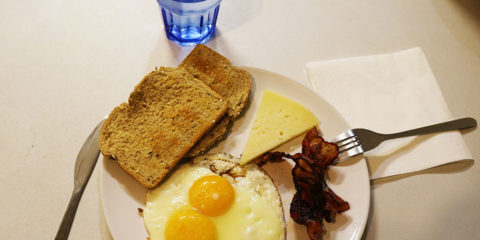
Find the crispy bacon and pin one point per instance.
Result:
(313, 200)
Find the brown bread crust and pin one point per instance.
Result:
(208, 140)
(232, 83)
(166, 114)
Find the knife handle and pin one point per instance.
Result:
(66, 225)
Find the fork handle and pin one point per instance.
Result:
(462, 123)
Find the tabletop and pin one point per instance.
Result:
(66, 64)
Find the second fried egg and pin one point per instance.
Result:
(215, 198)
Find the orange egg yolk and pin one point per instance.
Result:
(211, 195)
(188, 224)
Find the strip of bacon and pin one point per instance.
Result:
(313, 200)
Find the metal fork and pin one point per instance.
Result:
(357, 141)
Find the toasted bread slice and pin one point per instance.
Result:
(217, 132)
(232, 83)
(209, 139)
(166, 114)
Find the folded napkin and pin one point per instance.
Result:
(391, 93)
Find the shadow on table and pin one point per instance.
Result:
(236, 13)
(448, 168)
(166, 53)
(455, 167)
(170, 54)
(462, 17)
(471, 7)
(231, 16)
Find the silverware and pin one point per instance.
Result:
(359, 140)
(86, 160)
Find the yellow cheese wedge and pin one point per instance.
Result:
(278, 120)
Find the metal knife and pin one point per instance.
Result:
(84, 165)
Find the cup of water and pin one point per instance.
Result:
(189, 22)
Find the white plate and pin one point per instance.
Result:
(122, 195)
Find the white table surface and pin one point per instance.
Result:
(65, 64)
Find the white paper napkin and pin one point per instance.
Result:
(390, 93)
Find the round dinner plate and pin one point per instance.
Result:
(122, 196)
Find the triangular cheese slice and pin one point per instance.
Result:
(278, 120)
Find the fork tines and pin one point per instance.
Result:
(348, 145)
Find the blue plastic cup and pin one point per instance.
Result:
(189, 22)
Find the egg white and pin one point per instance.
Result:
(251, 216)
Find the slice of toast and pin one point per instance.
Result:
(232, 83)
(208, 140)
(166, 114)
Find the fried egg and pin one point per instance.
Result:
(213, 197)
